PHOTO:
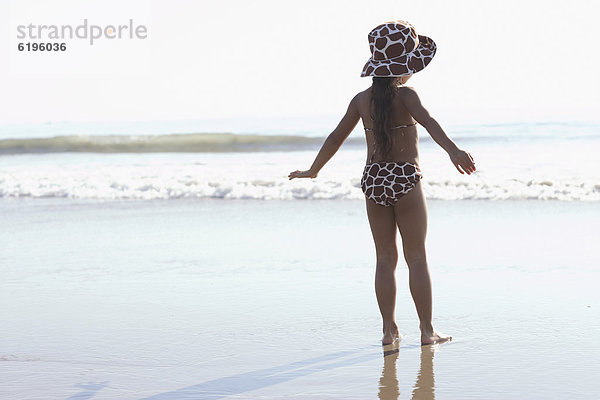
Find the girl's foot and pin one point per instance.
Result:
(434, 337)
(390, 334)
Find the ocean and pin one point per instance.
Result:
(520, 161)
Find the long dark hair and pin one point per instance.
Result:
(382, 95)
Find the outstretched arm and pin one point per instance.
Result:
(460, 158)
(332, 143)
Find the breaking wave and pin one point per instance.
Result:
(172, 143)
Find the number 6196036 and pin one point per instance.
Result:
(42, 46)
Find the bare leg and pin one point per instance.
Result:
(411, 218)
(383, 228)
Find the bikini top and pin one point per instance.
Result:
(395, 127)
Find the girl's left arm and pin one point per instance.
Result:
(332, 143)
(462, 160)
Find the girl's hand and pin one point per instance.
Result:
(302, 174)
(463, 161)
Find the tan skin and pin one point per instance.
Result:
(408, 215)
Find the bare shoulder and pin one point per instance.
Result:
(362, 97)
(407, 91)
(365, 92)
(408, 95)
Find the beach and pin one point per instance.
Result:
(153, 247)
(135, 267)
(272, 299)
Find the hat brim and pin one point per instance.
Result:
(404, 65)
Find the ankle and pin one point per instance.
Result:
(389, 324)
(426, 327)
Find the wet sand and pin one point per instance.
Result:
(213, 299)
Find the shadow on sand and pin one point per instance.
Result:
(89, 390)
(241, 383)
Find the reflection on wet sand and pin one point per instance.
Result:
(388, 383)
(425, 384)
(424, 388)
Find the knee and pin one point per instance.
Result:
(387, 261)
(415, 257)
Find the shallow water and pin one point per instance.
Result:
(545, 161)
(211, 299)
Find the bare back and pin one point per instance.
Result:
(405, 140)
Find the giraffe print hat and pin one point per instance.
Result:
(397, 50)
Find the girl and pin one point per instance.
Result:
(391, 177)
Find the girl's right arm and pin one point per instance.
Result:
(333, 142)
(460, 158)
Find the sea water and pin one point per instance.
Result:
(543, 161)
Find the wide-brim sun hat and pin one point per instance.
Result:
(397, 50)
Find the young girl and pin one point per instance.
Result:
(391, 178)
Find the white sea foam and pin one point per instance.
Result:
(156, 187)
(510, 167)
(264, 176)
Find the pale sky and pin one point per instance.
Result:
(497, 61)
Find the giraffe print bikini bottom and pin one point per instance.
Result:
(385, 182)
